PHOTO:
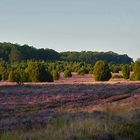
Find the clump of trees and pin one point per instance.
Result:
(31, 71)
(101, 71)
(44, 71)
(38, 73)
(23, 63)
(126, 71)
(18, 75)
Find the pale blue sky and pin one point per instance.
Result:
(74, 25)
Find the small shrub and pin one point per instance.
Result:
(117, 76)
(55, 75)
(136, 70)
(126, 71)
(114, 68)
(81, 72)
(67, 73)
(102, 71)
(132, 77)
(11, 76)
(38, 73)
(90, 72)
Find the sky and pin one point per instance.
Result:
(73, 25)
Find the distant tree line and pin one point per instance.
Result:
(15, 53)
(92, 57)
(27, 64)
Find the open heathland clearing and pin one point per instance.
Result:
(74, 110)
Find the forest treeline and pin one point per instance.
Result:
(28, 64)
(10, 52)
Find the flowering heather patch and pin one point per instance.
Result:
(32, 107)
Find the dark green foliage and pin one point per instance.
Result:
(14, 76)
(11, 76)
(18, 75)
(136, 71)
(48, 77)
(38, 73)
(81, 71)
(92, 57)
(115, 68)
(55, 75)
(117, 76)
(67, 73)
(3, 69)
(15, 55)
(90, 72)
(126, 71)
(5, 49)
(101, 71)
(15, 52)
(25, 69)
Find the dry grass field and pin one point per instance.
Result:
(76, 108)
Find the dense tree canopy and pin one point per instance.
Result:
(14, 52)
(92, 57)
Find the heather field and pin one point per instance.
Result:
(69, 70)
(76, 108)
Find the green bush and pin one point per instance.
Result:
(11, 76)
(101, 71)
(55, 75)
(81, 72)
(38, 73)
(117, 76)
(114, 68)
(67, 73)
(136, 70)
(15, 76)
(126, 71)
(90, 72)
(19, 76)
